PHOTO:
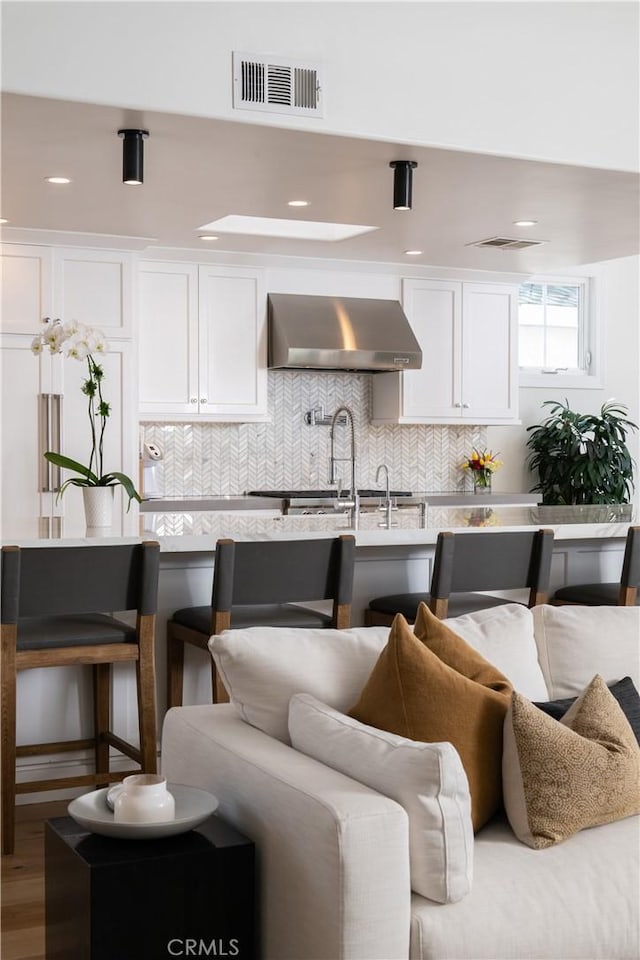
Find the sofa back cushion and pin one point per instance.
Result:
(262, 667)
(426, 779)
(504, 636)
(574, 643)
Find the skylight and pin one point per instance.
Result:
(291, 229)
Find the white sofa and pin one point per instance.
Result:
(334, 854)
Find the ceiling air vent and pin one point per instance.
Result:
(276, 85)
(506, 243)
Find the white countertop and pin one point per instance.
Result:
(295, 528)
(392, 538)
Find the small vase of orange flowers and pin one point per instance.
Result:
(482, 464)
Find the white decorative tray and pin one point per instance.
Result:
(193, 806)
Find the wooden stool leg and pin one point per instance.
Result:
(175, 668)
(220, 694)
(146, 680)
(8, 736)
(101, 718)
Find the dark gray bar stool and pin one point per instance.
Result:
(622, 593)
(257, 584)
(56, 606)
(467, 562)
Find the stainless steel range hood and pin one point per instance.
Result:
(340, 333)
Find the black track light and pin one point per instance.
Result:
(402, 183)
(133, 155)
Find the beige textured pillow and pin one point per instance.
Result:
(413, 693)
(562, 776)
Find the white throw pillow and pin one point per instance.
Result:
(574, 643)
(426, 779)
(262, 667)
(505, 637)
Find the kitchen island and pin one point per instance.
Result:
(387, 561)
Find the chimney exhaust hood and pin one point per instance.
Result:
(340, 333)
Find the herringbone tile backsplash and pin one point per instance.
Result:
(203, 459)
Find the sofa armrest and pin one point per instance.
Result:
(333, 855)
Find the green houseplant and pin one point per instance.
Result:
(582, 458)
(84, 343)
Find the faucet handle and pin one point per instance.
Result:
(315, 417)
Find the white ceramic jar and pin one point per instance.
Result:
(143, 798)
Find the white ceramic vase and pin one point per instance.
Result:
(98, 509)
(143, 798)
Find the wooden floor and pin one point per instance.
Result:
(23, 884)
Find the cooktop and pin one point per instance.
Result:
(322, 494)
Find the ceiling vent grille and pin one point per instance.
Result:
(506, 243)
(276, 85)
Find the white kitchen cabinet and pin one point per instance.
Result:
(95, 287)
(203, 351)
(27, 287)
(42, 403)
(91, 286)
(467, 332)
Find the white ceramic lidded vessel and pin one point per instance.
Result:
(144, 798)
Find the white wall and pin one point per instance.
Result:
(546, 80)
(619, 282)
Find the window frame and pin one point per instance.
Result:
(589, 338)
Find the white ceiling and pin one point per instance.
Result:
(198, 170)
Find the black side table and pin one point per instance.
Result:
(191, 895)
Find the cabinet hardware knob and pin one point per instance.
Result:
(465, 406)
(203, 399)
(457, 404)
(193, 400)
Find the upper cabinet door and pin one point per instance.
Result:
(432, 394)
(96, 287)
(232, 343)
(27, 287)
(467, 332)
(434, 309)
(489, 353)
(168, 340)
(203, 345)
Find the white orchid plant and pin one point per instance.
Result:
(84, 343)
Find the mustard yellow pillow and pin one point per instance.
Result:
(456, 652)
(562, 776)
(413, 693)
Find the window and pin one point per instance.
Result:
(556, 332)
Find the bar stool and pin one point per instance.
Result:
(467, 562)
(622, 593)
(56, 606)
(260, 584)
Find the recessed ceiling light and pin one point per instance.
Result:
(291, 229)
(413, 253)
(207, 236)
(2, 220)
(524, 223)
(297, 203)
(57, 180)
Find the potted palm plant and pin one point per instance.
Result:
(583, 463)
(85, 343)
